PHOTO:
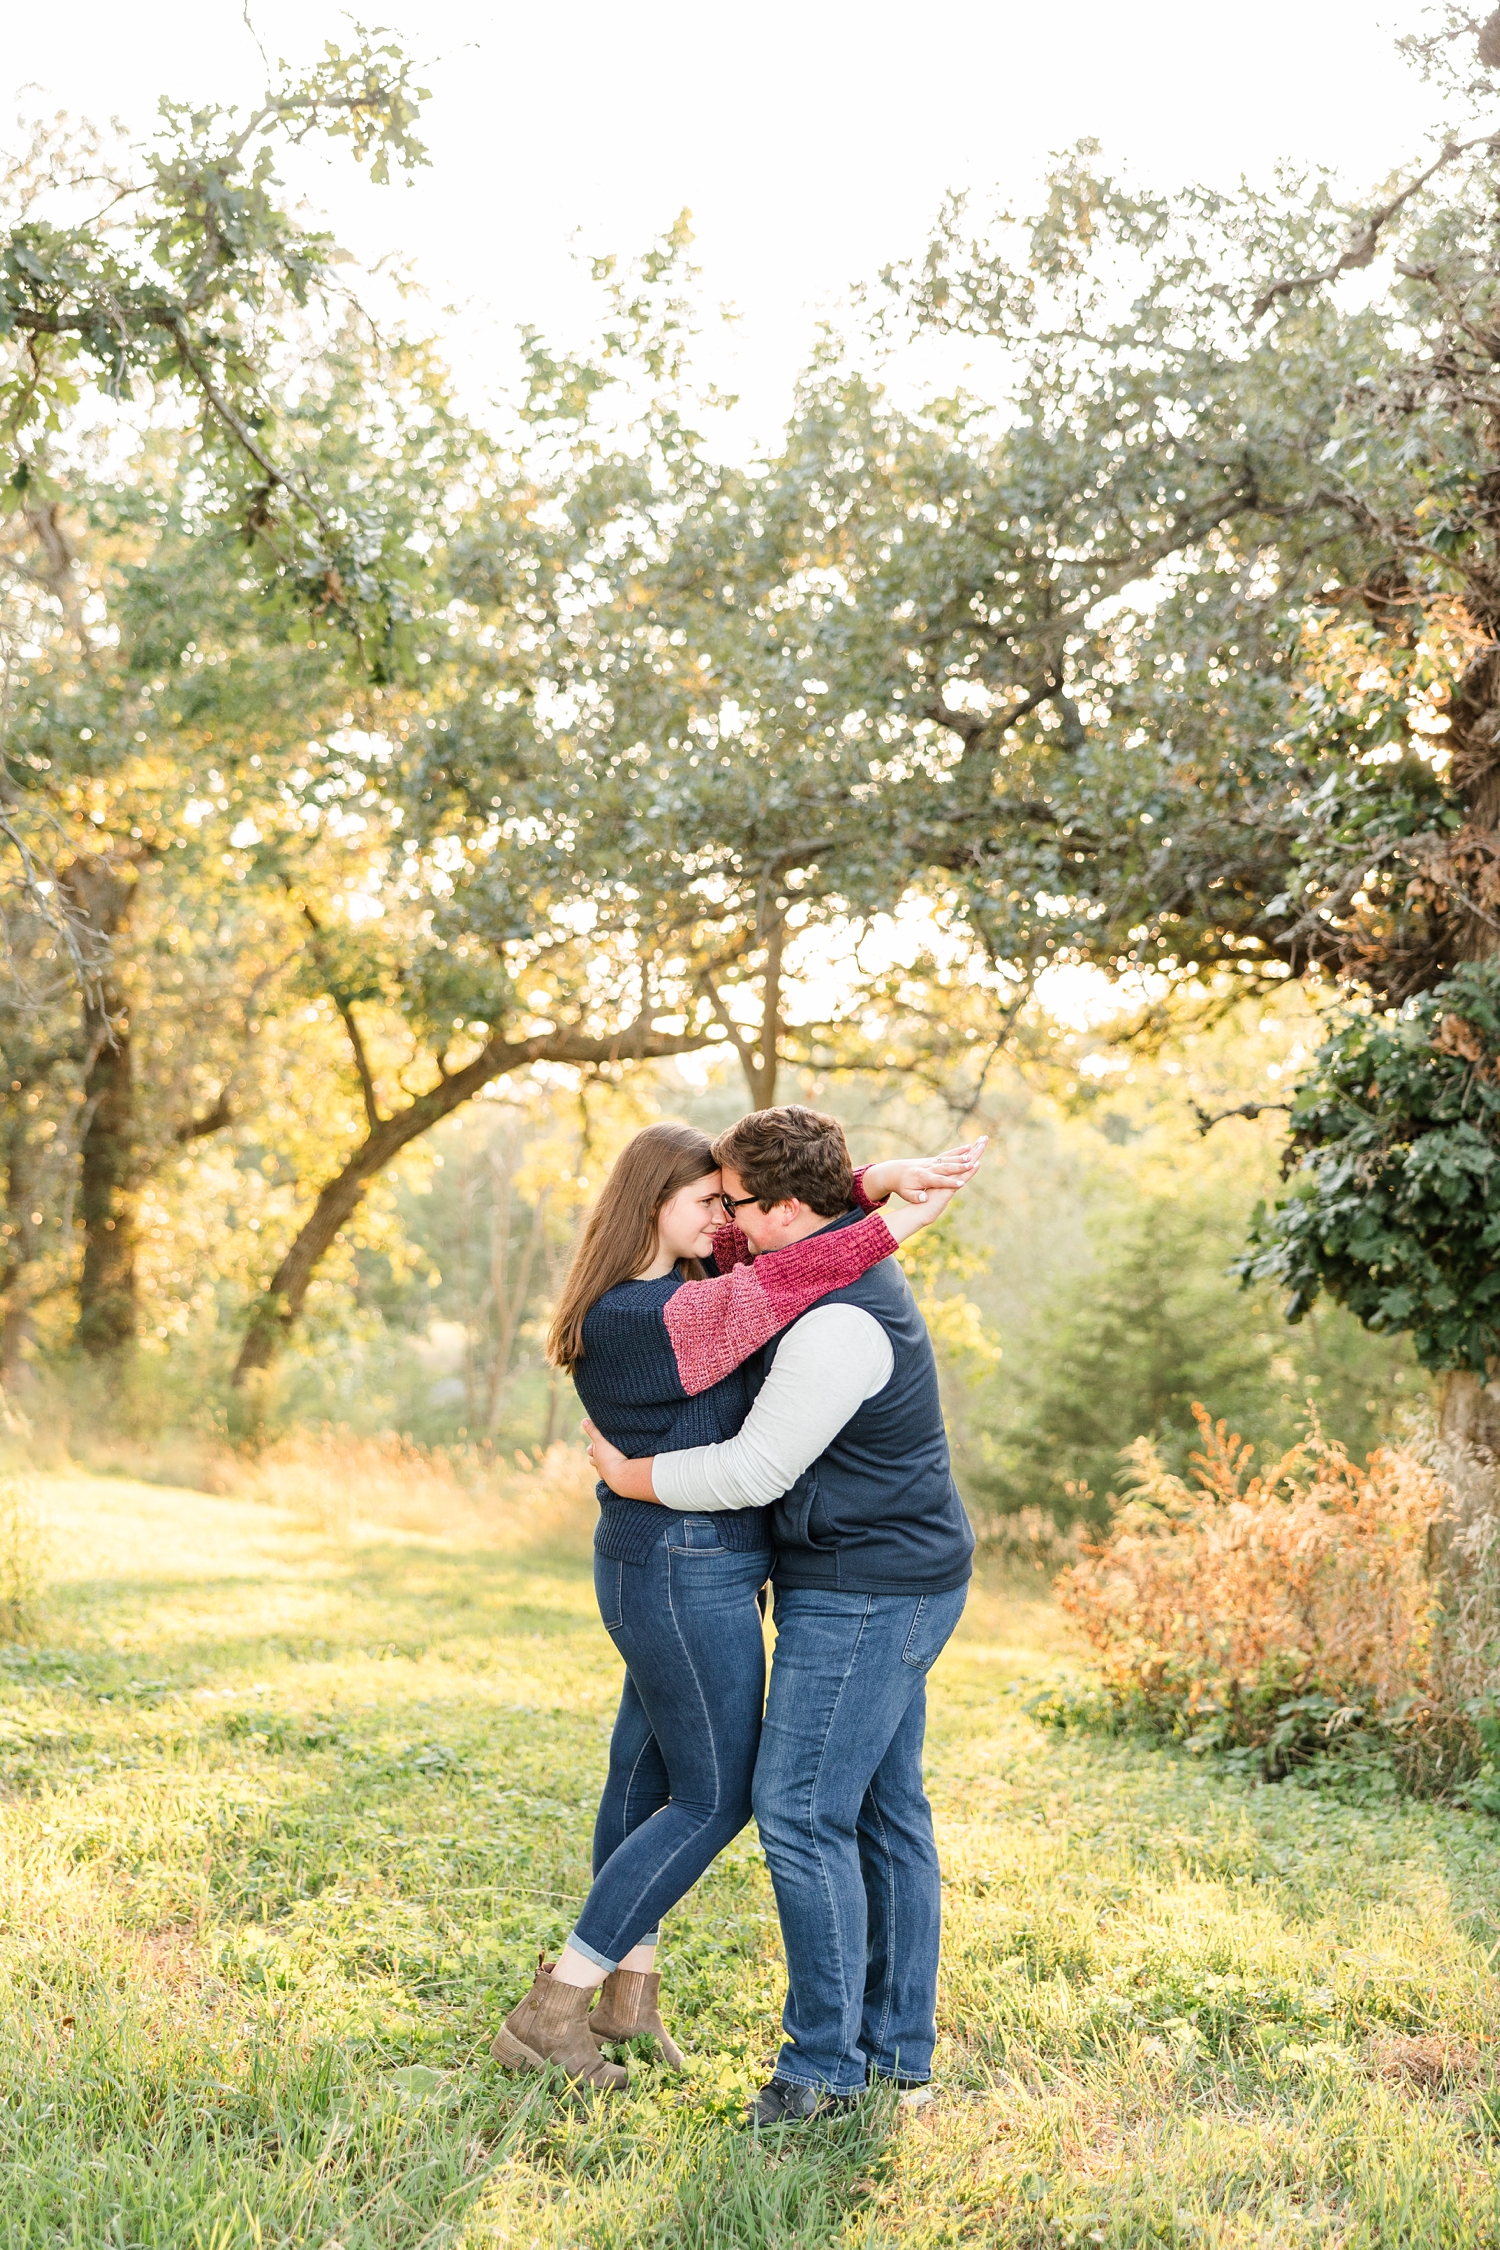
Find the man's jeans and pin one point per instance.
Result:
(686, 1622)
(847, 1831)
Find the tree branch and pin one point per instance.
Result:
(1245, 1109)
(743, 1045)
(222, 1113)
(281, 1302)
(297, 488)
(1361, 251)
(212, 1121)
(346, 1011)
(48, 900)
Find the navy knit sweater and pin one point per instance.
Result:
(629, 1382)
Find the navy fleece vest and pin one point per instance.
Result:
(878, 1512)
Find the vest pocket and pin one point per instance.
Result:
(814, 1526)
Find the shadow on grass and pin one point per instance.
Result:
(1312, 1835)
(668, 2179)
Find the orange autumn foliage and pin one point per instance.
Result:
(1222, 1597)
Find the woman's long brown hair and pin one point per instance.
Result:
(619, 1235)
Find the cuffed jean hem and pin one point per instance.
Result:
(591, 1953)
(601, 1960)
(818, 2085)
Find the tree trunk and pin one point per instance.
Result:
(765, 1058)
(1469, 1460)
(760, 1053)
(103, 893)
(1469, 1407)
(107, 1201)
(20, 1251)
(277, 1310)
(1469, 1412)
(511, 1304)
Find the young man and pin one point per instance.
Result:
(873, 1557)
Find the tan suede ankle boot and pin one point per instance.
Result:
(628, 2009)
(551, 2025)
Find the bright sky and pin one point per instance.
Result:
(812, 139)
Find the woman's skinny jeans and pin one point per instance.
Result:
(683, 1751)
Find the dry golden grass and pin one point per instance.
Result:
(1235, 1592)
(340, 1481)
(332, 1477)
(1432, 2063)
(24, 1559)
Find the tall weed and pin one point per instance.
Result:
(1028, 1540)
(24, 1556)
(1466, 1565)
(1276, 1611)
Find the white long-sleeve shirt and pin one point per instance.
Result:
(826, 1366)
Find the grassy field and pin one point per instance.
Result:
(288, 1810)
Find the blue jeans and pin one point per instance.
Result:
(847, 1831)
(683, 1750)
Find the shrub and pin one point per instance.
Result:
(1274, 1611)
(1027, 1539)
(1394, 1206)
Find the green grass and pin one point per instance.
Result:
(286, 1818)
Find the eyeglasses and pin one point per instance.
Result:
(732, 1203)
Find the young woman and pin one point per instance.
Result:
(657, 1352)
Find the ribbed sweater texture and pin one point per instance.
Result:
(663, 1361)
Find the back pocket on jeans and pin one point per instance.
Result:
(609, 1591)
(936, 1617)
(695, 1535)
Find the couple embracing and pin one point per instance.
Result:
(775, 1418)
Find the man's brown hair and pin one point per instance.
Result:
(787, 1152)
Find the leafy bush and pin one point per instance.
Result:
(1395, 1205)
(1276, 1612)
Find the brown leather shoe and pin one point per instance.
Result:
(551, 2025)
(628, 2009)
